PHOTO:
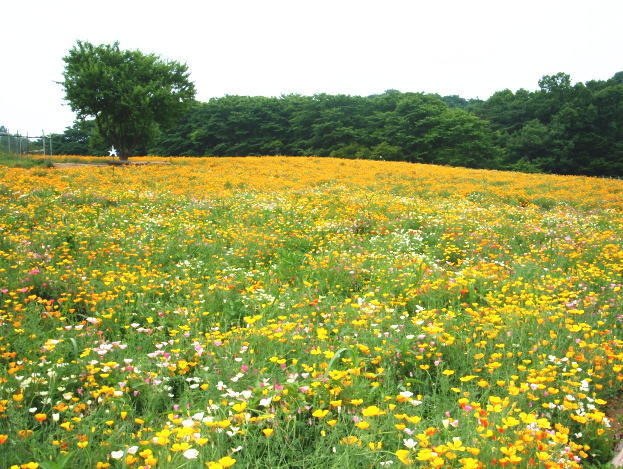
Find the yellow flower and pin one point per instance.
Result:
(456, 445)
(467, 378)
(543, 456)
(372, 411)
(426, 454)
(510, 422)
(226, 462)
(320, 413)
(403, 457)
(362, 425)
(180, 446)
(268, 431)
(239, 407)
(469, 463)
(350, 440)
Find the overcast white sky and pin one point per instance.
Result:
(272, 47)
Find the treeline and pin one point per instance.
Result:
(560, 128)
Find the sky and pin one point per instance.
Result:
(273, 47)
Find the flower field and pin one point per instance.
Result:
(308, 312)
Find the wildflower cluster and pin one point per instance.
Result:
(273, 312)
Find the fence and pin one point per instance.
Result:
(16, 144)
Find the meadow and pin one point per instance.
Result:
(308, 312)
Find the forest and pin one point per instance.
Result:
(561, 127)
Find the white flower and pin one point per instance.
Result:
(266, 402)
(410, 443)
(191, 453)
(132, 449)
(116, 454)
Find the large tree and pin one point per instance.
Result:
(130, 94)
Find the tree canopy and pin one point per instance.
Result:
(129, 94)
(561, 127)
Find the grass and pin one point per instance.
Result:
(22, 161)
(275, 312)
(38, 161)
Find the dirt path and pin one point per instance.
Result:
(615, 414)
(116, 163)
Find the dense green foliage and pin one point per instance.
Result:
(397, 126)
(128, 93)
(82, 138)
(560, 128)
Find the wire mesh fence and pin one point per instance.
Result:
(17, 144)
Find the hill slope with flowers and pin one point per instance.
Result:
(307, 312)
